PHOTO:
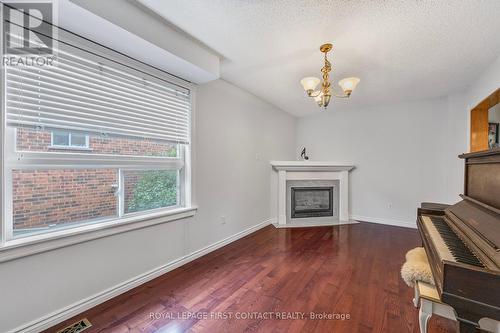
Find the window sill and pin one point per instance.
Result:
(26, 246)
(52, 147)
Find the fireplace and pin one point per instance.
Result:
(311, 201)
(331, 178)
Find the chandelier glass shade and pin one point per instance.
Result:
(324, 95)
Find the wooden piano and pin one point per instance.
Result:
(462, 242)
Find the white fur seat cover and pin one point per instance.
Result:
(416, 267)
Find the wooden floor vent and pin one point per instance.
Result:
(77, 327)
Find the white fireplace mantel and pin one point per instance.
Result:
(284, 171)
(310, 166)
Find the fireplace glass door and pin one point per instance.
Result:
(311, 202)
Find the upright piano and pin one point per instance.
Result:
(462, 242)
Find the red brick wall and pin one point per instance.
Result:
(45, 197)
(123, 146)
(33, 140)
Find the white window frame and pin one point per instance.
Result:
(12, 248)
(41, 160)
(70, 144)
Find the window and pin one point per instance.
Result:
(91, 140)
(69, 140)
(150, 189)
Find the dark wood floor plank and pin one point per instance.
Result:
(351, 270)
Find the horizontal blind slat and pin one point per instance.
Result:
(16, 82)
(80, 82)
(79, 55)
(101, 81)
(78, 102)
(85, 95)
(44, 111)
(29, 120)
(93, 125)
(151, 88)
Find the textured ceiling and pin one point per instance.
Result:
(401, 50)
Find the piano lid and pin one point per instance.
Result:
(481, 220)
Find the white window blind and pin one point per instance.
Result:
(86, 93)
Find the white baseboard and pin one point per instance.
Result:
(398, 223)
(311, 222)
(58, 316)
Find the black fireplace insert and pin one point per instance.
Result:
(311, 202)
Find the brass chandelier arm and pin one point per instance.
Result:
(311, 94)
(319, 92)
(341, 96)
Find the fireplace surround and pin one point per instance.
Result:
(288, 174)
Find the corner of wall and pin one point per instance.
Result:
(486, 83)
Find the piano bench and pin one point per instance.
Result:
(430, 304)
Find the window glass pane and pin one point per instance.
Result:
(78, 140)
(150, 189)
(44, 200)
(60, 139)
(39, 140)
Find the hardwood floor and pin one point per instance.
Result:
(351, 270)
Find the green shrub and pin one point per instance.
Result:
(155, 189)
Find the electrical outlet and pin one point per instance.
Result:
(389, 205)
(223, 219)
(257, 157)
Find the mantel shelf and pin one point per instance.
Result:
(310, 166)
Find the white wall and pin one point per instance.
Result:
(237, 136)
(405, 154)
(232, 129)
(457, 136)
(487, 82)
(494, 114)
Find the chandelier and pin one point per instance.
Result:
(324, 95)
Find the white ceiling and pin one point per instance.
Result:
(401, 50)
